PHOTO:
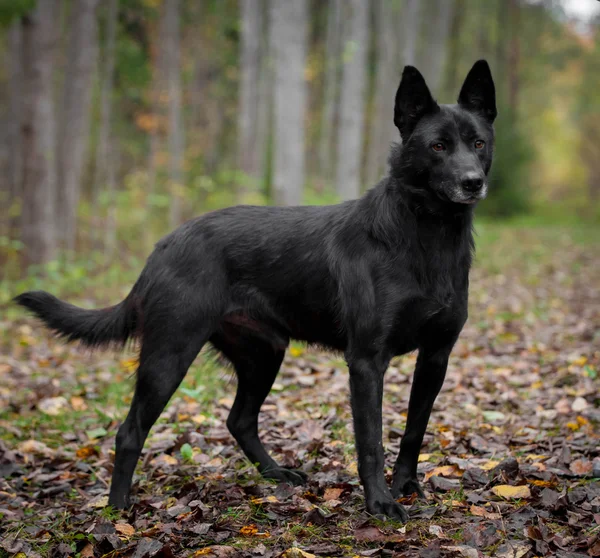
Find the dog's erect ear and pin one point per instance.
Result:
(478, 93)
(413, 101)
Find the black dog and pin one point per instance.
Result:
(376, 277)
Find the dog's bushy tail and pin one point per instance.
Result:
(94, 328)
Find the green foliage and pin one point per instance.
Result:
(13, 9)
(510, 191)
(187, 453)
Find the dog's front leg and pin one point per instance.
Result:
(366, 391)
(430, 372)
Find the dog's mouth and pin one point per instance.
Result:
(459, 195)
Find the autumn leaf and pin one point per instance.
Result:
(511, 492)
(125, 529)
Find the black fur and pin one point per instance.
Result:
(374, 278)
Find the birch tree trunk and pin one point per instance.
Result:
(38, 220)
(331, 88)
(382, 124)
(76, 115)
(15, 108)
(175, 131)
(352, 100)
(249, 150)
(411, 16)
(437, 34)
(288, 33)
(102, 160)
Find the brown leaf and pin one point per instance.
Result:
(581, 467)
(332, 494)
(369, 533)
(125, 529)
(482, 512)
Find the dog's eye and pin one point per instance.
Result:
(438, 147)
(479, 144)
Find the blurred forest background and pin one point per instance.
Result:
(123, 118)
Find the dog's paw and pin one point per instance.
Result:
(405, 486)
(289, 476)
(384, 509)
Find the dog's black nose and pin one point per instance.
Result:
(472, 182)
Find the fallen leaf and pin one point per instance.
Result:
(445, 471)
(507, 491)
(332, 494)
(53, 406)
(482, 512)
(296, 553)
(581, 467)
(125, 529)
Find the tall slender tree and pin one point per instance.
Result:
(382, 127)
(76, 115)
(434, 54)
(106, 89)
(331, 87)
(38, 190)
(288, 38)
(410, 15)
(352, 100)
(15, 92)
(175, 126)
(249, 151)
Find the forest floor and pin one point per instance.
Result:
(510, 462)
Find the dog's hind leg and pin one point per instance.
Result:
(256, 363)
(163, 365)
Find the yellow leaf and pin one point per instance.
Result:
(580, 361)
(249, 530)
(125, 529)
(424, 457)
(267, 499)
(296, 553)
(85, 451)
(507, 491)
(130, 364)
(573, 426)
(537, 385)
(544, 483)
(487, 466)
(199, 419)
(203, 551)
(582, 421)
(296, 351)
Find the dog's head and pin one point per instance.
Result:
(447, 149)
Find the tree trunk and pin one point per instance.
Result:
(437, 44)
(513, 57)
(15, 108)
(38, 220)
(331, 88)
(288, 31)
(102, 160)
(411, 14)
(76, 115)
(175, 132)
(382, 124)
(454, 47)
(352, 101)
(249, 151)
